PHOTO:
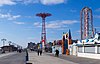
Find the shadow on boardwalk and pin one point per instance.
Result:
(79, 60)
(46, 59)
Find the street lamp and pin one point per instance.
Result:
(3, 40)
(9, 45)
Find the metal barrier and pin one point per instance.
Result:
(27, 56)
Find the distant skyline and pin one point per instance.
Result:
(19, 23)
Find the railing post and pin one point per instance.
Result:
(83, 49)
(96, 49)
(27, 56)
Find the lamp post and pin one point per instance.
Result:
(9, 45)
(3, 40)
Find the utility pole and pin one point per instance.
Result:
(9, 45)
(3, 40)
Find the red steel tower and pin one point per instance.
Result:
(43, 35)
(86, 23)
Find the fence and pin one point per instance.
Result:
(89, 51)
(94, 48)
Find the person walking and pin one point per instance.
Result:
(57, 53)
(40, 51)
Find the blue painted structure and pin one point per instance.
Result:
(65, 45)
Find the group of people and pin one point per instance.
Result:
(39, 51)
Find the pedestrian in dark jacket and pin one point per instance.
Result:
(57, 53)
(40, 51)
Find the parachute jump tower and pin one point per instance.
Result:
(43, 34)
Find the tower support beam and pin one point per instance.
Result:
(43, 34)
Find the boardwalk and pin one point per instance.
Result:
(46, 59)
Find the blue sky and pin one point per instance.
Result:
(19, 24)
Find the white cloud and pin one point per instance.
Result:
(53, 25)
(6, 2)
(37, 24)
(96, 16)
(97, 27)
(69, 21)
(44, 2)
(17, 16)
(8, 16)
(1, 32)
(27, 1)
(78, 31)
(60, 23)
(98, 10)
(49, 2)
(73, 10)
(31, 1)
(56, 24)
(19, 23)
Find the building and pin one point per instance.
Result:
(9, 48)
(89, 48)
(31, 45)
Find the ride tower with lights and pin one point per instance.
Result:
(86, 18)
